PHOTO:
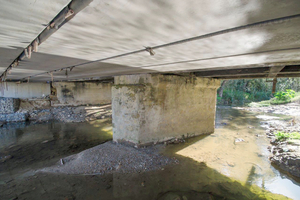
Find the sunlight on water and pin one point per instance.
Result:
(238, 149)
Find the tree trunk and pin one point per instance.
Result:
(220, 93)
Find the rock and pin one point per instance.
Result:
(5, 158)
(285, 150)
(287, 163)
(239, 140)
(175, 141)
(274, 142)
(230, 164)
(171, 196)
(293, 149)
(294, 142)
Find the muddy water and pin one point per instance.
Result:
(232, 163)
(32, 146)
(238, 149)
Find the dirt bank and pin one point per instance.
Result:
(286, 153)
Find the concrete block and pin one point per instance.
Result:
(9, 105)
(154, 108)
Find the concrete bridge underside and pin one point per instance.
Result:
(102, 38)
(158, 52)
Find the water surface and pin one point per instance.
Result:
(232, 163)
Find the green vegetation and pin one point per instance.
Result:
(280, 136)
(275, 101)
(286, 95)
(258, 92)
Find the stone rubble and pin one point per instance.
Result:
(14, 117)
(9, 105)
(61, 113)
(286, 154)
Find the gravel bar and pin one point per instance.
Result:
(111, 157)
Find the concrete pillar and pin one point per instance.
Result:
(154, 108)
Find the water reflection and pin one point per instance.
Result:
(31, 146)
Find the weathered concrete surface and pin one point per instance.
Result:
(82, 93)
(9, 105)
(108, 28)
(25, 90)
(21, 22)
(154, 108)
(35, 103)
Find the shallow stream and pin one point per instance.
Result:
(232, 163)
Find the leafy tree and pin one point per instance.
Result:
(249, 90)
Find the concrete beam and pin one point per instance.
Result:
(274, 71)
(25, 90)
(154, 108)
(250, 73)
(82, 93)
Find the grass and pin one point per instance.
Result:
(274, 101)
(280, 136)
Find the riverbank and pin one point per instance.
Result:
(286, 152)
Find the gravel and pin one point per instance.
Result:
(9, 105)
(111, 157)
(62, 114)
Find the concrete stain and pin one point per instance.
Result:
(67, 93)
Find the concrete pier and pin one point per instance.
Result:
(154, 108)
